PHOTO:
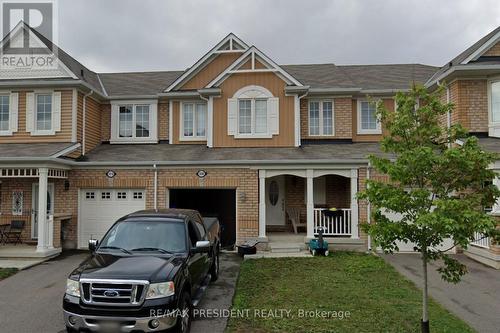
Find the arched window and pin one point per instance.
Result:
(253, 112)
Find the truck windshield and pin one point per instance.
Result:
(145, 236)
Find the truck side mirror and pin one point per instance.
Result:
(93, 244)
(202, 246)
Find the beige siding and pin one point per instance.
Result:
(286, 111)
(21, 136)
(214, 68)
(494, 51)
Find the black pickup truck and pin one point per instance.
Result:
(145, 275)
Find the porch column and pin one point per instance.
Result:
(310, 204)
(42, 210)
(354, 204)
(262, 203)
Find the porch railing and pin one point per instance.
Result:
(480, 240)
(339, 225)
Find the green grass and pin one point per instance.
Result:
(378, 298)
(6, 272)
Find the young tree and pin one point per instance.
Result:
(439, 182)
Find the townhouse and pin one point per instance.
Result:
(236, 135)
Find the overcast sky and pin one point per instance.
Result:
(136, 35)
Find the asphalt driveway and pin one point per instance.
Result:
(30, 301)
(476, 299)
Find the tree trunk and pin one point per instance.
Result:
(425, 298)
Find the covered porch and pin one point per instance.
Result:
(24, 192)
(301, 201)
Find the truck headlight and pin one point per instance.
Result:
(73, 287)
(158, 290)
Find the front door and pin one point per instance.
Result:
(275, 201)
(50, 207)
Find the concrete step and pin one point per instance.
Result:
(286, 247)
(268, 254)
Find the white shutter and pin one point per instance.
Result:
(30, 112)
(56, 111)
(273, 111)
(14, 109)
(115, 109)
(232, 116)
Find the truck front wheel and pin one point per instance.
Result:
(183, 324)
(214, 270)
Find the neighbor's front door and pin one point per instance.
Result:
(50, 207)
(275, 201)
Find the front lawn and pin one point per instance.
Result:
(377, 298)
(6, 272)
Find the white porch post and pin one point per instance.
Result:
(354, 204)
(310, 204)
(262, 203)
(42, 210)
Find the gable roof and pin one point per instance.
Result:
(254, 53)
(470, 54)
(220, 47)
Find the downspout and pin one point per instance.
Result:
(369, 209)
(155, 187)
(298, 129)
(84, 119)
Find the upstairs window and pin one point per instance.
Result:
(252, 116)
(368, 122)
(194, 121)
(4, 112)
(321, 118)
(253, 112)
(495, 102)
(133, 121)
(43, 119)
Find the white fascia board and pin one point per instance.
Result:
(482, 49)
(460, 68)
(66, 150)
(203, 59)
(238, 62)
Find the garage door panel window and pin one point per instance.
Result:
(121, 195)
(90, 195)
(105, 195)
(193, 121)
(137, 195)
(321, 118)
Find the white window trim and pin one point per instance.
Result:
(35, 131)
(181, 122)
(243, 93)
(320, 101)
(493, 127)
(378, 130)
(252, 133)
(7, 132)
(115, 122)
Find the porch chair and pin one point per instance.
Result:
(3, 235)
(14, 231)
(294, 217)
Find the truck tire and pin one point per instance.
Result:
(70, 330)
(214, 270)
(183, 324)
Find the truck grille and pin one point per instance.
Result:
(113, 292)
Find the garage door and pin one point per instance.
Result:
(100, 208)
(408, 247)
(220, 203)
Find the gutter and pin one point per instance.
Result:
(459, 68)
(155, 194)
(50, 83)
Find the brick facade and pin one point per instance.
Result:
(342, 110)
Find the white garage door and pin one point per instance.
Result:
(408, 247)
(100, 208)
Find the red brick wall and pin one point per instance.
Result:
(342, 119)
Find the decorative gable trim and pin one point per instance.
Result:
(230, 44)
(482, 49)
(254, 54)
(59, 71)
